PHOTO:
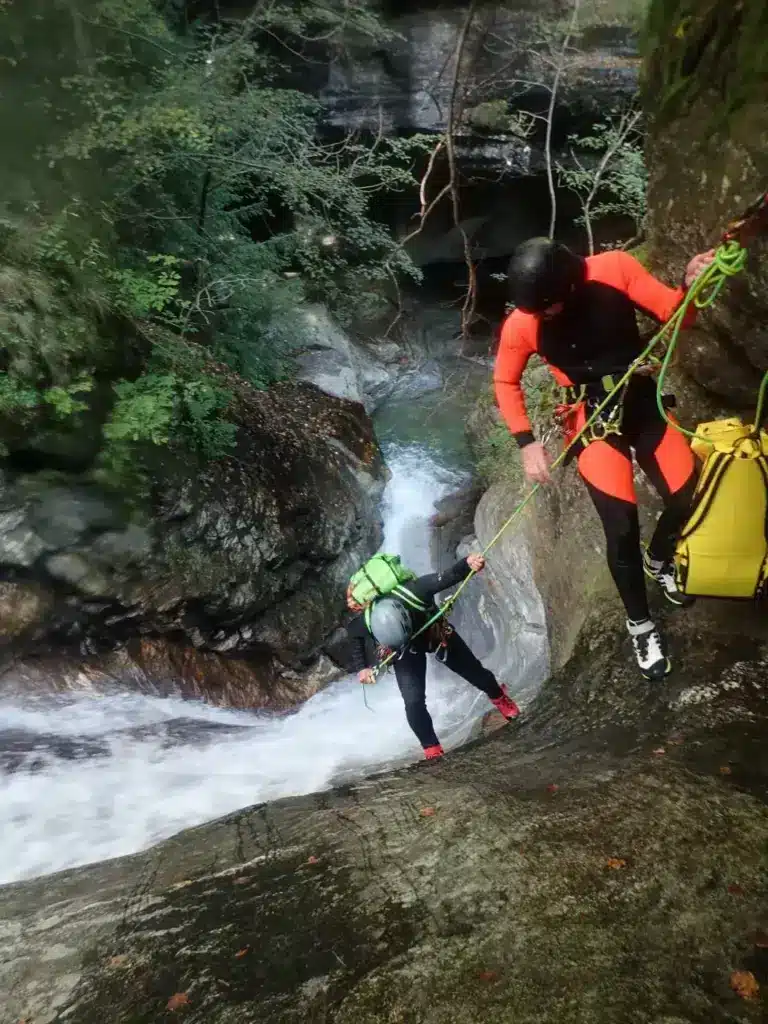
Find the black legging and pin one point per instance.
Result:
(606, 466)
(411, 675)
(622, 543)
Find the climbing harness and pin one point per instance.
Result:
(587, 396)
(730, 259)
(571, 399)
(442, 633)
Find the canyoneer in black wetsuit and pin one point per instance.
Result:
(388, 624)
(578, 314)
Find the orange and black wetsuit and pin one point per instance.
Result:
(596, 334)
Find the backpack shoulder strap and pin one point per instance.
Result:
(711, 476)
(409, 598)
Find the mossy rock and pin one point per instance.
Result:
(707, 154)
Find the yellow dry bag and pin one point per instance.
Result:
(723, 549)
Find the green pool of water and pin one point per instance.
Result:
(436, 419)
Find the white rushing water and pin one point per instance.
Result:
(87, 778)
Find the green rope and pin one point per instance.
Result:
(730, 258)
(759, 411)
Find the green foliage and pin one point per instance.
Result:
(167, 204)
(704, 49)
(158, 406)
(15, 399)
(498, 457)
(62, 400)
(164, 409)
(607, 13)
(642, 254)
(490, 116)
(142, 292)
(608, 173)
(497, 453)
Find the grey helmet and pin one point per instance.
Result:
(390, 622)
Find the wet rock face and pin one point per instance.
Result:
(604, 861)
(164, 667)
(361, 372)
(501, 611)
(404, 84)
(249, 557)
(708, 159)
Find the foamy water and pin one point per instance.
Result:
(89, 778)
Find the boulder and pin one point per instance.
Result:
(246, 556)
(161, 666)
(453, 520)
(501, 611)
(328, 358)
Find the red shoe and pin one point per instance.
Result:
(432, 752)
(506, 705)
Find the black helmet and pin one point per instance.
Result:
(390, 622)
(542, 273)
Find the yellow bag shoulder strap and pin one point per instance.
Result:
(706, 489)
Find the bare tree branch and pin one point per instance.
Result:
(551, 113)
(616, 137)
(470, 300)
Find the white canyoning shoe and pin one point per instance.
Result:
(663, 573)
(649, 649)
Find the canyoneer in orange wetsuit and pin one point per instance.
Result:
(578, 315)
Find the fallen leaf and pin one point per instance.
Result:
(735, 890)
(313, 860)
(427, 812)
(242, 952)
(760, 939)
(744, 984)
(659, 751)
(725, 769)
(615, 863)
(488, 975)
(552, 787)
(177, 1000)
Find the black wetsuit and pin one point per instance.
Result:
(411, 667)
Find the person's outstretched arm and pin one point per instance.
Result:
(427, 587)
(517, 345)
(515, 349)
(654, 297)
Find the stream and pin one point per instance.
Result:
(87, 777)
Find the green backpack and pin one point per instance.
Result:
(381, 575)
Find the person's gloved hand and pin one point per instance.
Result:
(536, 463)
(476, 562)
(366, 676)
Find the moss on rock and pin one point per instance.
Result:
(705, 91)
